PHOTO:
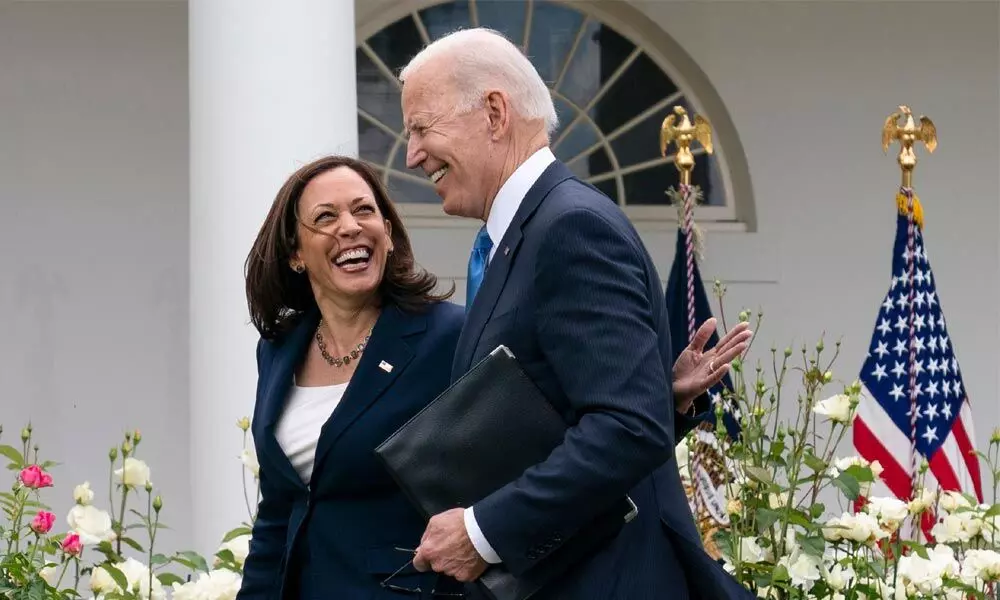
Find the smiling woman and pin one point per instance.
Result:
(354, 342)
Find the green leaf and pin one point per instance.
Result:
(813, 545)
(817, 510)
(766, 518)
(863, 474)
(847, 484)
(17, 461)
(758, 474)
(168, 579)
(117, 575)
(815, 463)
(235, 533)
(994, 511)
(195, 559)
(159, 559)
(133, 544)
(226, 555)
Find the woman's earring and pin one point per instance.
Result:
(299, 268)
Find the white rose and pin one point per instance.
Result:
(839, 577)
(682, 452)
(751, 552)
(776, 501)
(981, 565)
(91, 523)
(135, 473)
(836, 408)
(960, 527)
(82, 494)
(49, 574)
(101, 582)
(952, 501)
(239, 546)
(860, 528)
(249, 460)
(924, 501)
(219, 584)
(804, 570)
(889, 511)
(137, 575)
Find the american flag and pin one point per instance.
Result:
(911, 327)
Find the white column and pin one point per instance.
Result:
(272, 86)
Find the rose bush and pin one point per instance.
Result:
(100, 552)
(782, 542)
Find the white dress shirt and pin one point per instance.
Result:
(505, 206)
(299, 426)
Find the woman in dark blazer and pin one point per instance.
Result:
(354, 342)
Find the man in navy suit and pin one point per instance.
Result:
(559, 275)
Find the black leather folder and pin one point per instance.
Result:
(480, 434)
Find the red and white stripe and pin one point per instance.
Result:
(953, 467)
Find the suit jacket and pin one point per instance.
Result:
(572, 291)
(336, 537)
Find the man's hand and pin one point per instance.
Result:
(446, 548)
(696, 369)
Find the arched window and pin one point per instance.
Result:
(610, 92)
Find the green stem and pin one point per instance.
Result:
(62, 574)
(154, 522)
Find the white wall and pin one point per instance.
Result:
(94, 189)
(93, 240)
(808, 86)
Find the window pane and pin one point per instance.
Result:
(642, 85)
(642, 142)
(373, 143)
(505, 16)
(445, 18)
(377, 95)
(404, 190)
(580, 138)
(553, 29)
(592, 64)
(566, 114)
(397, 43)
(649, 186)
(595, 164)
(610, 189)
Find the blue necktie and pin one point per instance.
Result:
(477, 264)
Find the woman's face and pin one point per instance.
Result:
(344, 240)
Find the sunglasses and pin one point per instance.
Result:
(414, 591)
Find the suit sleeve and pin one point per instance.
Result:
(684, 423)
(596, 329)
(262, 568)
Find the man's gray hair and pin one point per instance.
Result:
(480, 59)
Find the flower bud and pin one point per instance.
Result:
(243, 424)
(924, 466)
(828, 377)
(820, 346)
(788, 351)
(126, 448)
(137, 436)
(25, 434)
(736, 365)
(149, 486)
(113, 454)
(744, 316)
(761, 387)
(157, 503)
(758, 411)
(995, 438)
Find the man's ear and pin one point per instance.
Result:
(498, 113)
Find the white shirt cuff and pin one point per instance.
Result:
(478, 539)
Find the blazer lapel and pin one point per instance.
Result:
(287, 357)
(496, 273)
(386, 356)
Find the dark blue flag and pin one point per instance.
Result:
(677, 309)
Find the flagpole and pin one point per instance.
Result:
(907, 136)
(679, 129)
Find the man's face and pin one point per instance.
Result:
(454, 150)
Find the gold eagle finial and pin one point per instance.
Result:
(908, 135)
(683, 133)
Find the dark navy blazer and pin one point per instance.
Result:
(572, 291)
(336, 537)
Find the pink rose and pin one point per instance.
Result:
(43, 522)
(34, 477)
(72, 545)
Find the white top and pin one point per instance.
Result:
(505, 206)
(512, 192)
(307, 409)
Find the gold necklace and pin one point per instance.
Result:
(340, 361)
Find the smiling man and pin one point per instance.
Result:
(559, 275)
